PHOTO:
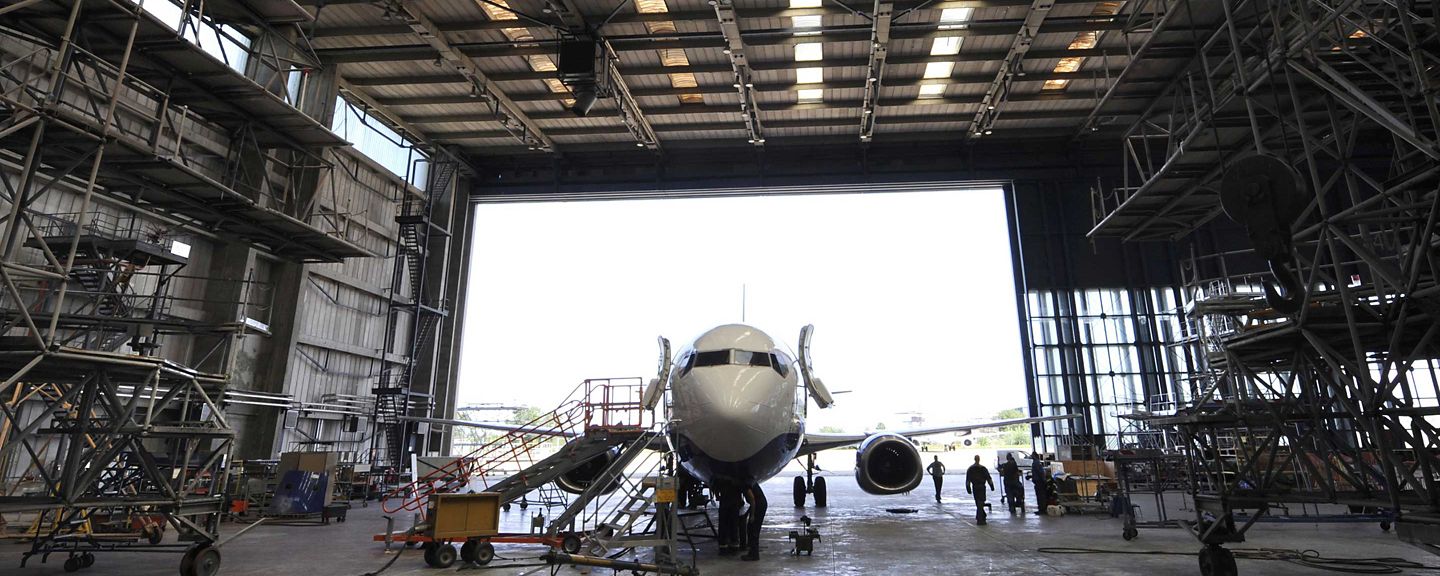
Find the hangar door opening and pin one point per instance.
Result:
(911, 293)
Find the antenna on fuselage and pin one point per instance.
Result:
(742, 302)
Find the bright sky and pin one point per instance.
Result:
(911, 295)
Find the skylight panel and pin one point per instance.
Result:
(945, 46)
(939, 69)
(951, 18)
(932, 90)
(651, 6)
(809, 52)
(805, 25)
(811, 95)
(813, 75)
(805, 3)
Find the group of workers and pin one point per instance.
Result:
(742, 511)
(977, 479)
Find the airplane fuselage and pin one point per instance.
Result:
(737, 406)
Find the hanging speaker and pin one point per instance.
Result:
(577, 59)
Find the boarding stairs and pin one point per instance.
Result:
(598, 417)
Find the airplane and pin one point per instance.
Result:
(737, 403)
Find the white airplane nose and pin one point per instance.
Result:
(733, 412)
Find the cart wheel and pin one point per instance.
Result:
(87, 559)
(819, 491)
(570, 544)
(799, 492)
(467, 550)
(429, 548)
(1217, 561)
(1385, 525)
(444, 556)
(201, 560)
(73, 564)
(484, 553)
(1130, 533)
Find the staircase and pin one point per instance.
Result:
(412, 254)
(517, 448)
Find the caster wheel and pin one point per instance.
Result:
(155, 535)
(484, 553)
(1217, 561)
(74, 564)
(441, 556)
(1129, 534)
(200, 561)
(819, 490)
(87, 560)
(571, 544)
(1385, 525)
(799, 492)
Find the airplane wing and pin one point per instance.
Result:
(821, 441)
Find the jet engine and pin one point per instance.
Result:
(888, 464)
(580, 477)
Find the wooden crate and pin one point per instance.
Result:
(461, 516)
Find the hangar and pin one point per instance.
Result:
(247, 242)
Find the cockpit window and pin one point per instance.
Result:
(736, 358)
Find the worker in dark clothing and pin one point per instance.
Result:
(976, 479)
(1040, 476)
(756, 497)
(937, 472)
(1014, 490)
(729, 529)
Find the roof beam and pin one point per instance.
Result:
(442, 78)
(482, 88)
(774, 124)
(735, 47)
(875, 72)
(412, 53)
(1010, 66)
(763, 37)
(771, 87)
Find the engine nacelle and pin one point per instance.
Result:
(579, 478)
(888, 464)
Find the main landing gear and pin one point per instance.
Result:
(810, 484)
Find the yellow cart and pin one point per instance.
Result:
(471, 519)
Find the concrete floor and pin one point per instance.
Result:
(860, 537)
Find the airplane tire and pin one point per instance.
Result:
(799, 492)
(819, 492)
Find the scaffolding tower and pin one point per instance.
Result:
(1314, 124)
(123, 129)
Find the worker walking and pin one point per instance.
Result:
(976, 479)
(756, 497)
(937, 472)
(1010, 479)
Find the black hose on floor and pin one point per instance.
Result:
(397, 555)
(1309, 558)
